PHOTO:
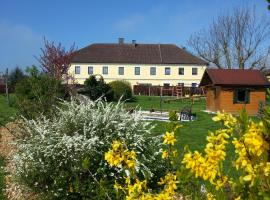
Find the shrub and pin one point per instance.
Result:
(38, 93)
(251, 141)
(97, 88)
(120, 89)
(63, 157)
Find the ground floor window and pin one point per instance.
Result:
(241, 96)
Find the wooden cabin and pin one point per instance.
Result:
(234, 89)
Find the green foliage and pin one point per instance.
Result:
(62, 157)
(2, 178)
(120, 89)
(15, 76)
(173, 116)
(97, 88)
(7, 112)
(38, 93)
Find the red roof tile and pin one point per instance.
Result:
(234, 77)
(136, 53)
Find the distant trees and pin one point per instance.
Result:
(236, 40)
(269, 4)
(55, 59)
(15, 76)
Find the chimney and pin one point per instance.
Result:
(133, 42)
(121, 40)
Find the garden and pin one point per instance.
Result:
(64, 141)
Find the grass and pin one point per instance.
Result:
(6, 111)
(2, 178)
(153, 102)
(192, 134)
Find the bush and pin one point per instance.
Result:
(120, 89)
(38, 93)
(97, 88)
(63, 157)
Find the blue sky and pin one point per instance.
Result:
(24, 23)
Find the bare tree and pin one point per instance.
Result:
(55, 59)
(236, 40)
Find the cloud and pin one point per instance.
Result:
(18, 44)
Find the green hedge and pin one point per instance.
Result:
(120, 89)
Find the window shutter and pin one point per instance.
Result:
(247, 96)
(235, 96)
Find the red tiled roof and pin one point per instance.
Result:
(136, 53)
(234, 77)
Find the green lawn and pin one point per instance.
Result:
(192, 134)
(7, 112)
(157, 103)
(2, 180)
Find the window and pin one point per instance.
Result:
(90, 70)
(105, 70)
(77, 69)
(241, 96)
(194, 71)
(121, 71)
(181, 71)
(137, 70)
(167, 71)
(153, 71)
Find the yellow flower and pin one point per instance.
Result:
(169, 138)
(116, 145)
(210, 196)
(165, 154)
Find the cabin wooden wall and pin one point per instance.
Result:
(224, 101)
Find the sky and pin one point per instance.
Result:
(24, 23)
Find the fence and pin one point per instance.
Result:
(151, 90)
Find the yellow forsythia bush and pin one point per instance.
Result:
(252, 159)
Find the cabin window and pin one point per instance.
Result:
(121, 71)
(137, 70)
(90, 70)
(105, 70)
(194, 71)
(153, 71)
(241, 96)
(167, 71)
(77, 69)
(181, 71)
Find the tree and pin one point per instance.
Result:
(97, 89)
(236, 40)
(55, 59)
(16, 76)
(38, 93)
(268, 4)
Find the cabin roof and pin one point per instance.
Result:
(234, 77)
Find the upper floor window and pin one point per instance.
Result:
(77, 69)
(167, 71)
(181, 71)
(137, 70)
(90, 70)
(153, 71)
(105, 70)
(121, 70)
(194, 71)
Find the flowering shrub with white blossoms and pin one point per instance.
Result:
(63, 156)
